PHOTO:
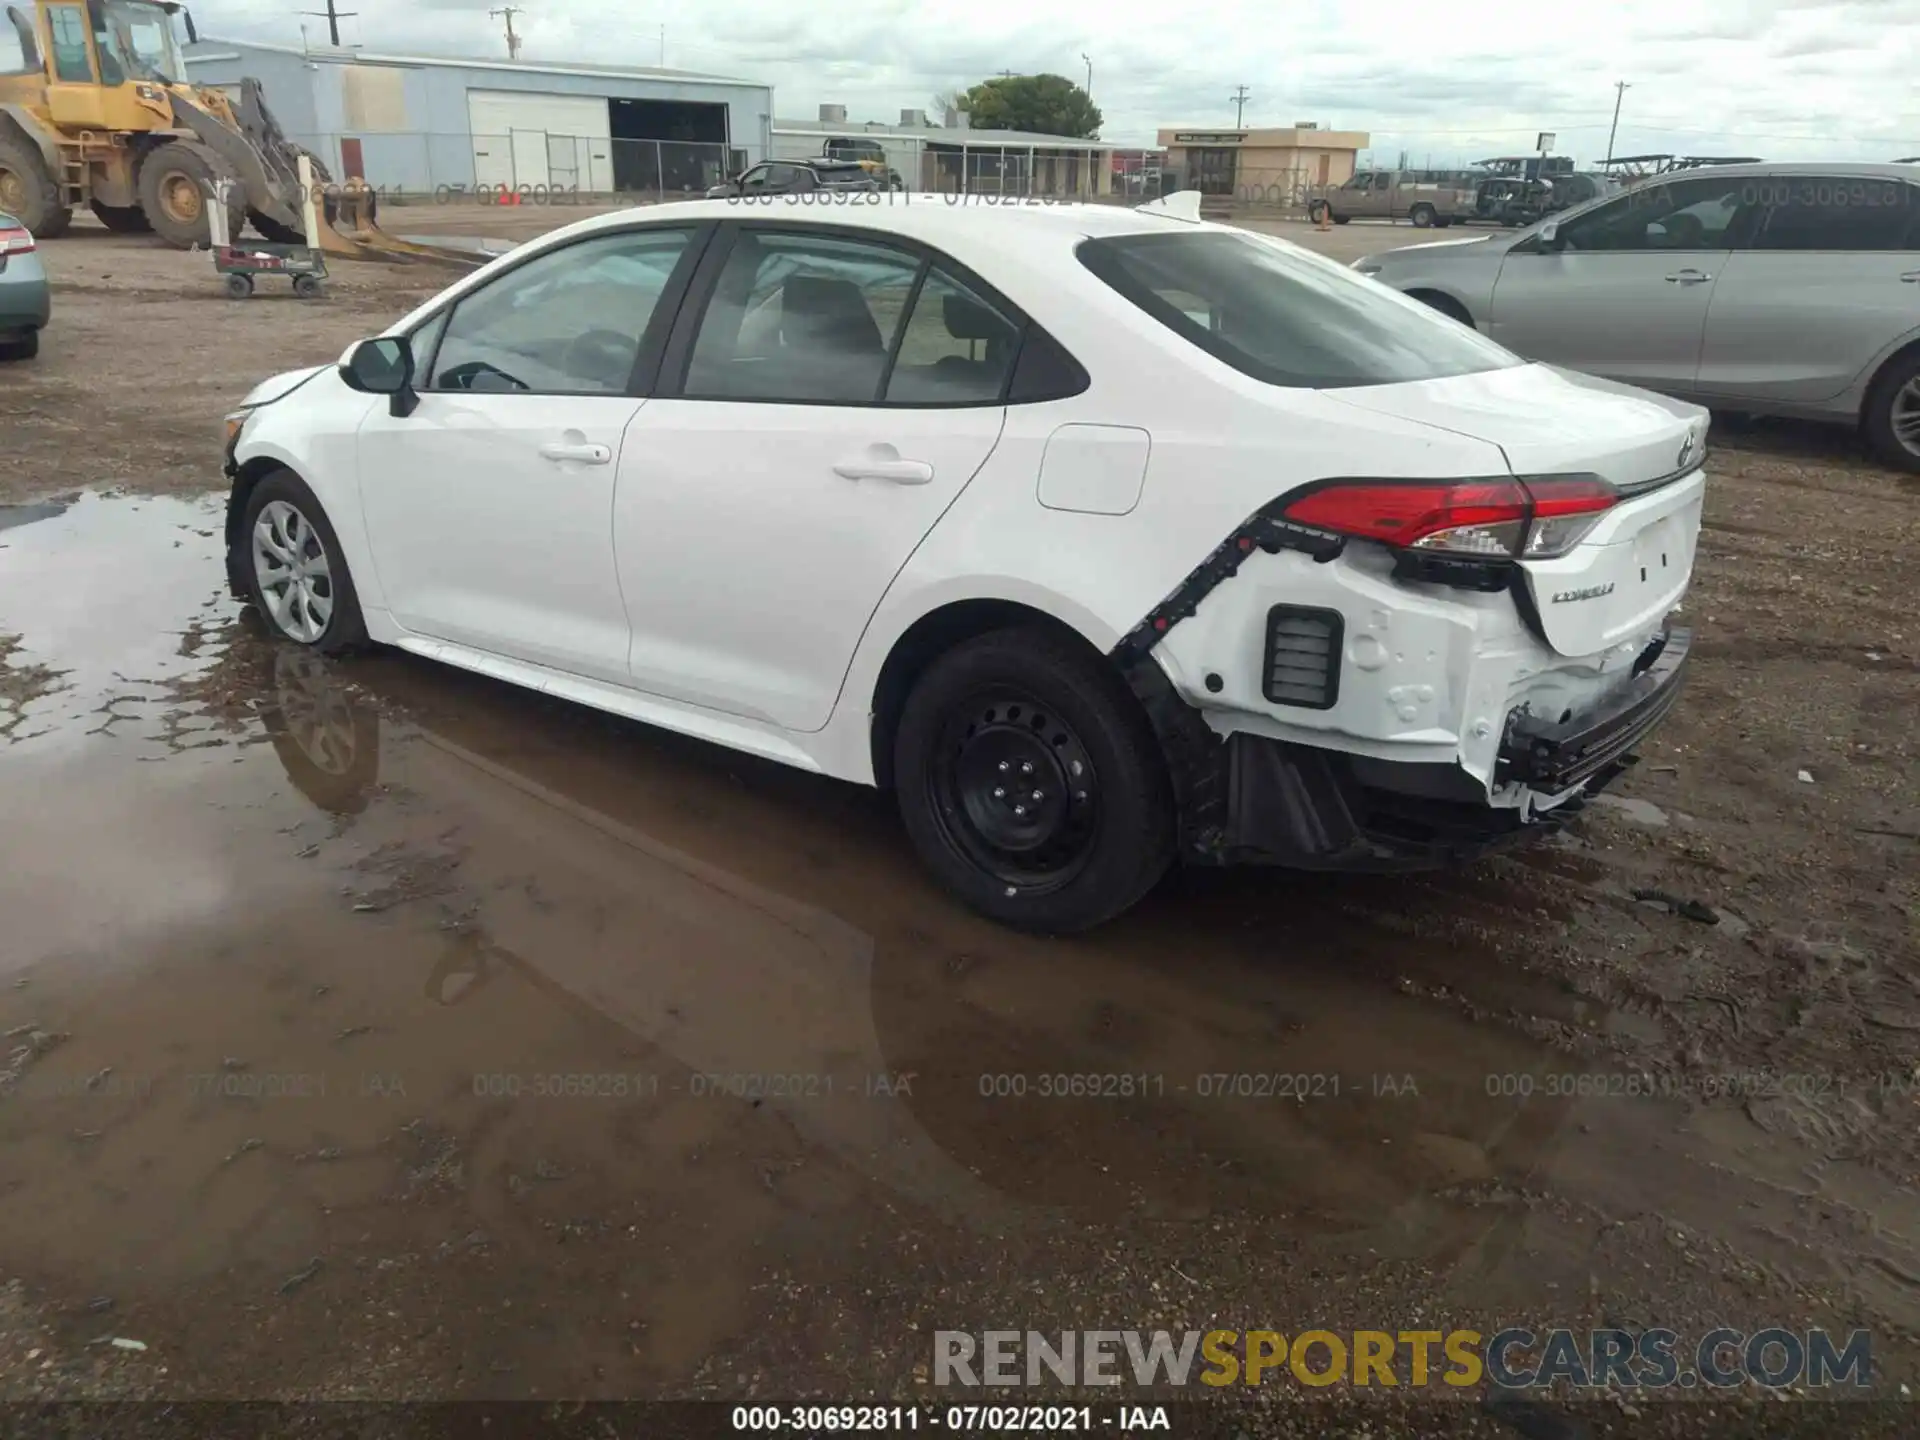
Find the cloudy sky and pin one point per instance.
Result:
(1783, 79)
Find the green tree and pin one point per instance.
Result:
(1041, 104)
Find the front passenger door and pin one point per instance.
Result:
(1624, 291)
(489, 508)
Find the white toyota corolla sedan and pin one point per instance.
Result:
(1104, 538)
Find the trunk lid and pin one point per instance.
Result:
(1616, 586)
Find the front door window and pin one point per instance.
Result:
(71, 60)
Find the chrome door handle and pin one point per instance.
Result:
(1912, 277)
(585, 454)
(1689, 277)
(900, 472)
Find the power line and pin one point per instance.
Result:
(333, 18)
(513, 40)
(1239, 99)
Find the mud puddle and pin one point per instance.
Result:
(378, 1030)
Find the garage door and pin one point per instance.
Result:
(525, 139)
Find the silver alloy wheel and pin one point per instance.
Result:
(316, 709)
(290, 563)
(1905, 416)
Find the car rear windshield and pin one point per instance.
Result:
(1283, 317)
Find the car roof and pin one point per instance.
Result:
(1859, 169)
(937, 219)
(829, 162)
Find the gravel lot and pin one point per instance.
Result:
(288, 947)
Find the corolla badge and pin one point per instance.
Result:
(1591, 592)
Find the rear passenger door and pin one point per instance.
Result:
(816, 414)
(1830, 280)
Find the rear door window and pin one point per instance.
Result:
(1836, 212)
(1286, 317)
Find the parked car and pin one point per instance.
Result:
(788, 177)
(1779, 289)
(1040, 517)
(26, 303)
(1515, 200)
(870, 154)
(1426, 198)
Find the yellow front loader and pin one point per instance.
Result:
(96, 111)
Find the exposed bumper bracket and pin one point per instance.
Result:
(1555, 756)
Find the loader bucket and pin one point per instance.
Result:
(347, 225)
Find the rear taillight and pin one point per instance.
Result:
(14, 240)
(1532, 519)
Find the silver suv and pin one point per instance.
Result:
(1772, 289)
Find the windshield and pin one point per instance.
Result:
(1287, 317)
(136, 42)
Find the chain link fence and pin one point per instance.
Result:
(540, 166)
(536, 165)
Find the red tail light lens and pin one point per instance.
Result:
(1565, 509)
(1532, 519)
(14, 240)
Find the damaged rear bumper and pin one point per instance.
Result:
(1254, 800)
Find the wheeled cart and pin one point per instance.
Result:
(242, 263)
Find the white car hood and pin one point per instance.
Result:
(277, 387)
(1551, 421)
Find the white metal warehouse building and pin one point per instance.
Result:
(434, 126)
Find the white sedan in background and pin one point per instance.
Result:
(1104, 538)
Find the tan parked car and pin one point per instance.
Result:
(1424, 197)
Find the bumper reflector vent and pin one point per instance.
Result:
(1303, 657)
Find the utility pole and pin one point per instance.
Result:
(663, 47)
(1089, 59)
(333, 18)
(1620, 88)
(1239, 98)
(513, 40)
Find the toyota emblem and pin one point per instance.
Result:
(1686, 453)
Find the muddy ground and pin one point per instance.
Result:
(363, 1020)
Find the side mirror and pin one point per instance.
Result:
(193, 35)
(383, 366)
(1550, 235)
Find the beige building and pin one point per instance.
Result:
(1262, 165)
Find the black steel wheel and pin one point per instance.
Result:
(1016, 790)
(1031, 783)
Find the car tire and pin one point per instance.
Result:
(1443, 221)
(1422, 217)
(1031, 708)
(318, 608)
(1892, 412)
(1316, 211)
(21, 347)
(1341, 219)
(1445, 304)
